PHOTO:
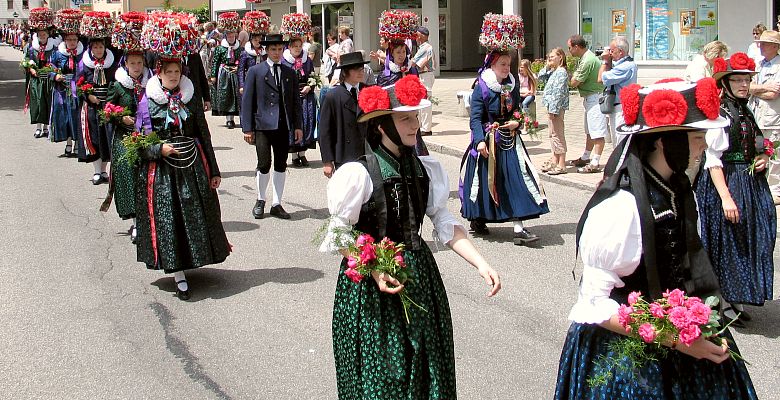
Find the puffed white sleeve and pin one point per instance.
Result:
(717, 142)
(611, 248)
(348, 189)
(444, 223)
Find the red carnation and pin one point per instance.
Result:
(410, 90)
(667, 80)
(719, 65)
(629, 97)
(374, 98)
(740, 61)
(664, 107)
(751, 64)
(708, 97)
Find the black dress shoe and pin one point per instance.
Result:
(68, 152)
(479, 228)
(278, 212)
(182, 294)
(38, 133)
(231, 124)
(296, 162)
(304, 161)
(45, 133)
(97, 179)
(258, 211)
(133, 234)
(524, 237)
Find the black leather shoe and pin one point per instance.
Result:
(45, 133)
(259, 209)
(68, 152)
(296, 162)
(182, 294)
(524, 237)
(278, 212)
(133, 234)
(38, 134)
(97, 179)
(479, 228)
(304, 161)
(231, 124)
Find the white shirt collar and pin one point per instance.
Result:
(349, 87)
(271, 65)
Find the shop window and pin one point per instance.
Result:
(663, 29)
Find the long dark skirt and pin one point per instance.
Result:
(677, 376)
(225, 98)
(65, 119)
(378, 355)
(122, 177)
(741, 254)
(95, 139)
(309, 109)
(40, 92)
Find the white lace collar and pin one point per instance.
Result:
(37, 45)
(395, 68)
(125, 80)
(492, 82)
(154, 90)
(287, 55)
(227, 46)
(251, 51)
(63, 49)
(90, 63)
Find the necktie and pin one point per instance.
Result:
(353, 92)
(277, 76)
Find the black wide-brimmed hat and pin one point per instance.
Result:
(352, 59)
(274, 38)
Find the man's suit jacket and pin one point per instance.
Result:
(342, 139)
(260, 102)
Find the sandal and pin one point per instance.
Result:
(556, 170)
(589, 169)
(547, 166)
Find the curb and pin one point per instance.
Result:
(556, 179)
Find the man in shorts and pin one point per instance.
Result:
(586, 80)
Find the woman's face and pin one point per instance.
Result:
(696, 146)
(256, 39)
(382, 43)
(231, 37)
(98, 49)
(71, 41)
(170, 75)
(331, 40)
(43, 36)
(407, 125)
(134, 64)
(399, 55)
(296, 47)
(740, 85)
(501, 67)
(554, 58)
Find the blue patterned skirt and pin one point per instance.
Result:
(677, 376)
(65, 117)
(309, 117)
(741, 254)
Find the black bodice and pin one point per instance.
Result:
(745, 138)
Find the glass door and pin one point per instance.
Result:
(444, 45)
(542, 32)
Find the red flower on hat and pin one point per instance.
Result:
(708, 97)
(629, 97)
(741, 61)
(664, 107)
(719, 65)
(410, 90)
(374, 98)
(667, 80)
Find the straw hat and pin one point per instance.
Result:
(770, 37)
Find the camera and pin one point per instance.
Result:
(599, 51)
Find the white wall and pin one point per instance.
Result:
(737, 19)
(562, 22)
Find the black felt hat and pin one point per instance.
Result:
(352, 59)
(274, 38)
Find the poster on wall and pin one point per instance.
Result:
(618, 21)
(658, 30)
(687, 21)
(708, 13)
(587, 25)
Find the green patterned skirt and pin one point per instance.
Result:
(225, 99)
(40, 92)
(122, 177)
(378, 355)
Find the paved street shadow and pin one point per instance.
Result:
(451, 133)
(232, 174)
(16, 100)
(764, 322)
(239, 226)
(221, 148)
(217, 283)
(307, 212)
(549, 235)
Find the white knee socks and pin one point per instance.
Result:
(518, 226)
(262, 184)
(229, 118)
(279, 179)
(98, 166)
(179, 277)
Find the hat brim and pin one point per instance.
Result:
(378, 113)
(270, 42)
(719, 75)
(717, 123)
(352, 64)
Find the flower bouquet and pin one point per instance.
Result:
(675, 318)
(135, 142)
(366, 256)
(83, 88)
(314, 81)
(527, 123)
(26, 63)
(112, 113)
(769, 148)
(45, 71)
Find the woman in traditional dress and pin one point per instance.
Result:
(500, 183)
(97, 69)
(39, 86)
(397, 64)
(295, 58)
(738, 220)
(378, 354)
(256, 24)
(638, 234)
(66, 104)
(177, 209)
(224, 70)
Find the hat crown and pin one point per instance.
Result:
(770, 37)
(395, 24)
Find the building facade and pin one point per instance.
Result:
(17, 11)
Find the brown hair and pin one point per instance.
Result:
(578, 40)
(525, 65)
(344, 29)
(559, 51)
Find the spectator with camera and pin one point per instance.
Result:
(618, 70)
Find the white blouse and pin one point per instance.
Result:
(717, 142)
(351, 187)
(611, 248)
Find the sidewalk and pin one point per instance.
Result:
(452, 136)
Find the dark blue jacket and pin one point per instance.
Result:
(260, 102)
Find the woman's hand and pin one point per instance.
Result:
(213, 81)
(730, 210)
(383, 279)
(511, 125)
(373, 54)
(59, 78)
(761, 162)
(92, 99)
(305, 90)
(215, 181)
(491, 278)
(703, 348)
(34, 72)
(167, 150)
(241, 91)
(482, 149)
(128, 120)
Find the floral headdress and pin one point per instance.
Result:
(172, 35)
(256, 23)
(97, 25)
(408, 94)
(228, 22)
(127, 32)
(295, 25)
(502, 32)
(41, 18)
(398, 25)
(739, 63)
(68, 21)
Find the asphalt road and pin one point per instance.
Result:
(80, 318)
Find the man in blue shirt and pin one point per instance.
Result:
(618, 70)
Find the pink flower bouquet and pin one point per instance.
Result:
(112, 113)
(366, 256)
(770, 148)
